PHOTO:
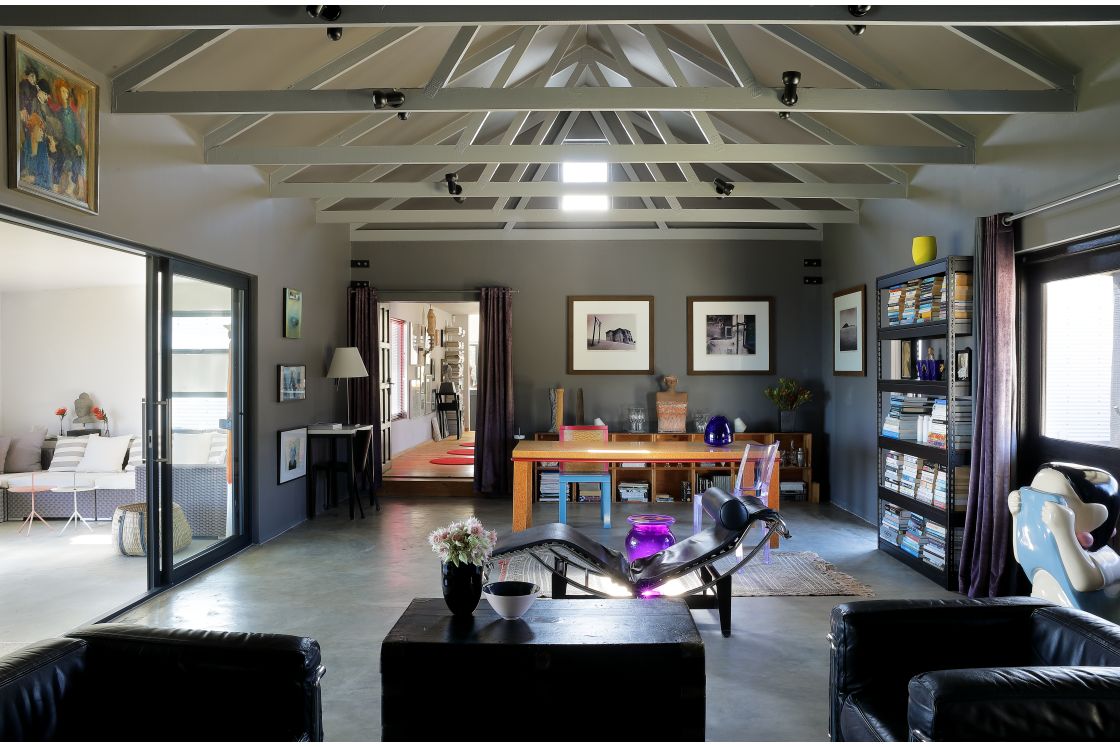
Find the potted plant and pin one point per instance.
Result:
(463, 548)
(788, 395)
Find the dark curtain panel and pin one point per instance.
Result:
(987, 567)
(493, 470)
(361, 332)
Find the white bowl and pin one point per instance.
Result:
(511, 599)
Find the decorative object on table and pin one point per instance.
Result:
(293, 313)
(849, 332)
(61, 413)
(718, 432)
(931, 368)
(672, 407)
(556, 405)
(83, 409)
(730, 334)
(610, 334)
(649, 534)
(964, 365)
(52, 129)
(293, 382)
(292, 454)
(579, 406)
(346, 363)
(599, 421)
(636, 418)
(511, 599)
(740, 425)
(463, 548)
(788, 395)
(924, 249)
(700, 420)
(102, 416)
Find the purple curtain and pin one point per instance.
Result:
(987, 566)
(493, 468)
(361, 332)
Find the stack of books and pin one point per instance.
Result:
(927, 479)
(962, 423)
(908, 478)
(909, 311)
(634, 492)
(550, 486)
(723, 482)
(894, 523)
(894, 302)
(793, 490)
(892, 418)
(938, 423)
(925, 300)
(590, 492)
(914, 538)
(919, 301)
(939, 495)
(892, 468)
(962, 295)
(933, 550)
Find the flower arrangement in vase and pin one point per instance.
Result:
(61, 413)
(788, 395)
(463, 548)
(103, 416)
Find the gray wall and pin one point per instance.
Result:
(156, 191)
(1028, 160)
(545, 273)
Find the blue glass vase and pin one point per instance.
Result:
(718, 432)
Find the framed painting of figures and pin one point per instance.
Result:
(52, 128)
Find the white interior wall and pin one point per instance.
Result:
(60, 343)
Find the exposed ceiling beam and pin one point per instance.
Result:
(1019, 56)
(175, 53)
(452, 56)
(321, 77)
(825, 133)
(351, 155)
(459, 235)
(637, 215)
(657, 41)
(410, 190)
(628, 168)
(553, 137)
(94, 17)
(861, 77)
(835, 100)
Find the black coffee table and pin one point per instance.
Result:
(570, 669)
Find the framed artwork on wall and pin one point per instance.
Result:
(730, 335)
(52, 128)
(293, 313)
(293, 382)
(291, 454)
(849, 332)
(610, 334)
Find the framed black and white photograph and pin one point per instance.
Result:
(291, 454)
(293, 382)
(849, 332)
(730, 335)
(610, 334)
(964, 365)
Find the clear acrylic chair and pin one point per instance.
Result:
(753, 479)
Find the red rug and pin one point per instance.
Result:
(452, 460)
(462, 452)
(467, 443)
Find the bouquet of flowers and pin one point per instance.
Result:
(463, 542)
(788, 394)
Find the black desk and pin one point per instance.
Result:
(618, 669)
(334, 436)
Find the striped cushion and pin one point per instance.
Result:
(135, 453)
(218, 443)
(68, 452)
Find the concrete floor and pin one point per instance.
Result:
(346, 582)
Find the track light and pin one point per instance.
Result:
(783, 115)
(790, 79)
(393, 99)
(856, 29)
(724, 188)
(328, 13)
(454, 188)
(858, 11)
(334, 33)
(402, 116)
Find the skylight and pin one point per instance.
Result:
(584, 172)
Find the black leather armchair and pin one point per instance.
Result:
(1013, 668)
(130, 683)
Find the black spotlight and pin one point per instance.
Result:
(402, 116)
(724, 188)
(334, 33)
(329, 13)
(783, 115)
(791, 79)
(856, 29)
(858, 11)
(454, 188)
(392, 99)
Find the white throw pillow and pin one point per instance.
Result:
(104, 454)
(190, 448)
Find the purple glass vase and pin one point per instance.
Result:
(649, 535)
(718, 432)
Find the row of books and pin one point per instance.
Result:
(917, 536)
(960, 421)
(925, 420)
(589, 492)
(924, 300)
(923, 480)
(633, 491)
(723, 482)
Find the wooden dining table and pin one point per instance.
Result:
(655, 453)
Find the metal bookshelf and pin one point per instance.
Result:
(951, 330)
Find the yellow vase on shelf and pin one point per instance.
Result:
(924, 249)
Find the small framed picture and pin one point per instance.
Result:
(293, 313)
(730, 335)
(610, 334)
(906, 355)
(291, 454)
(849, 332)
(963, 367)
(293, 382)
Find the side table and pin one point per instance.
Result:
(76, 516)
(31, 490)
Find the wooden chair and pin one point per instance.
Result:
(574, 473)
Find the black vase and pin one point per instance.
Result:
(462, 587)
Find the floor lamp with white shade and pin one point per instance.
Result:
(346, 363)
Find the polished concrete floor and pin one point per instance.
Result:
(346, 582)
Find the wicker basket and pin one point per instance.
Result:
(130, 528)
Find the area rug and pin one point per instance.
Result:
(452, 460)
(467, 443)
(461, 452)
(790, 574)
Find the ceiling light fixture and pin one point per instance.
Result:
(392, 99)
(856, 29)
(724, 188)
(858, 11)
(454, 188)
(791, 79)
(402, 116)
(330, 14)
(334, 33)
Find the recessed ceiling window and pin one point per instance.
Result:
(585, 172)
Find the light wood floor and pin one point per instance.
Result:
(415, 462)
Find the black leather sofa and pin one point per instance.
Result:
(123, 683)
(1014, 668)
